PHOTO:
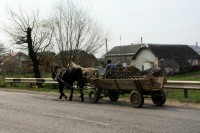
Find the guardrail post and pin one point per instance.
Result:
(185, 93)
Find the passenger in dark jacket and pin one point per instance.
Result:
(110, 68)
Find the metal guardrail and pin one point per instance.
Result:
(33, 81)
(30, 80)
(190, 85)
(185, 85)
(171, 84)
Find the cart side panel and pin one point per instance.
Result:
(126, 84)
(145, 84)
(158, 82)
(107, 84)
(142, 84)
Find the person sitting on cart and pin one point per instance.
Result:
(110, 69)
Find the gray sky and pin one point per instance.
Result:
(157, 21)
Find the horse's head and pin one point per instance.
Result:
(54, 71)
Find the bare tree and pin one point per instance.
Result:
(2, 48)
(76, 31)
(32, 34)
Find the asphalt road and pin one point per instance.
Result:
(43, 113)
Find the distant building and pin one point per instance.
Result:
(122, 54)
(81, 58)
(14, 62)
(178, 58)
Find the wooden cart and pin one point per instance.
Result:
(136, 86)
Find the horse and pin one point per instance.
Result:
(87, 72)
(90, 73)
(67, 76)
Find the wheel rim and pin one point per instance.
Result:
(92, 96)
(135, 99)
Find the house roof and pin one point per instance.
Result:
(173, 51)
(195, 48)
(8, 56)
(126, 49)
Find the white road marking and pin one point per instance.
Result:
(91, 121)
(54, 115)
(76, 118)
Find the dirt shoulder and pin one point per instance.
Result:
(180, 104)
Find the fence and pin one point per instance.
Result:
(171, 84)
(30, 80)
(185, 85)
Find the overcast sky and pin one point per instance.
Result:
(157, 21)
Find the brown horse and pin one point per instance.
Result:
(87, 72)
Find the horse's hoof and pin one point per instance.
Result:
(65, 96)
(82, 97)
(82, 100)
(60, 97)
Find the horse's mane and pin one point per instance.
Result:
(73, 64)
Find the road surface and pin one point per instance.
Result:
(22, 112)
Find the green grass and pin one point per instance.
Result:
(193, 76)
(193, 95)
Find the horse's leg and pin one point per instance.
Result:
(82, 95)
(71, 94)
(80, 86)
(61, 87)
(72, 91)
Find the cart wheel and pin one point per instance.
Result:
(159, 98)
(137, 99)
(93, 96)
(113, 96)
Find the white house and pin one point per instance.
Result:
(178, 58)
